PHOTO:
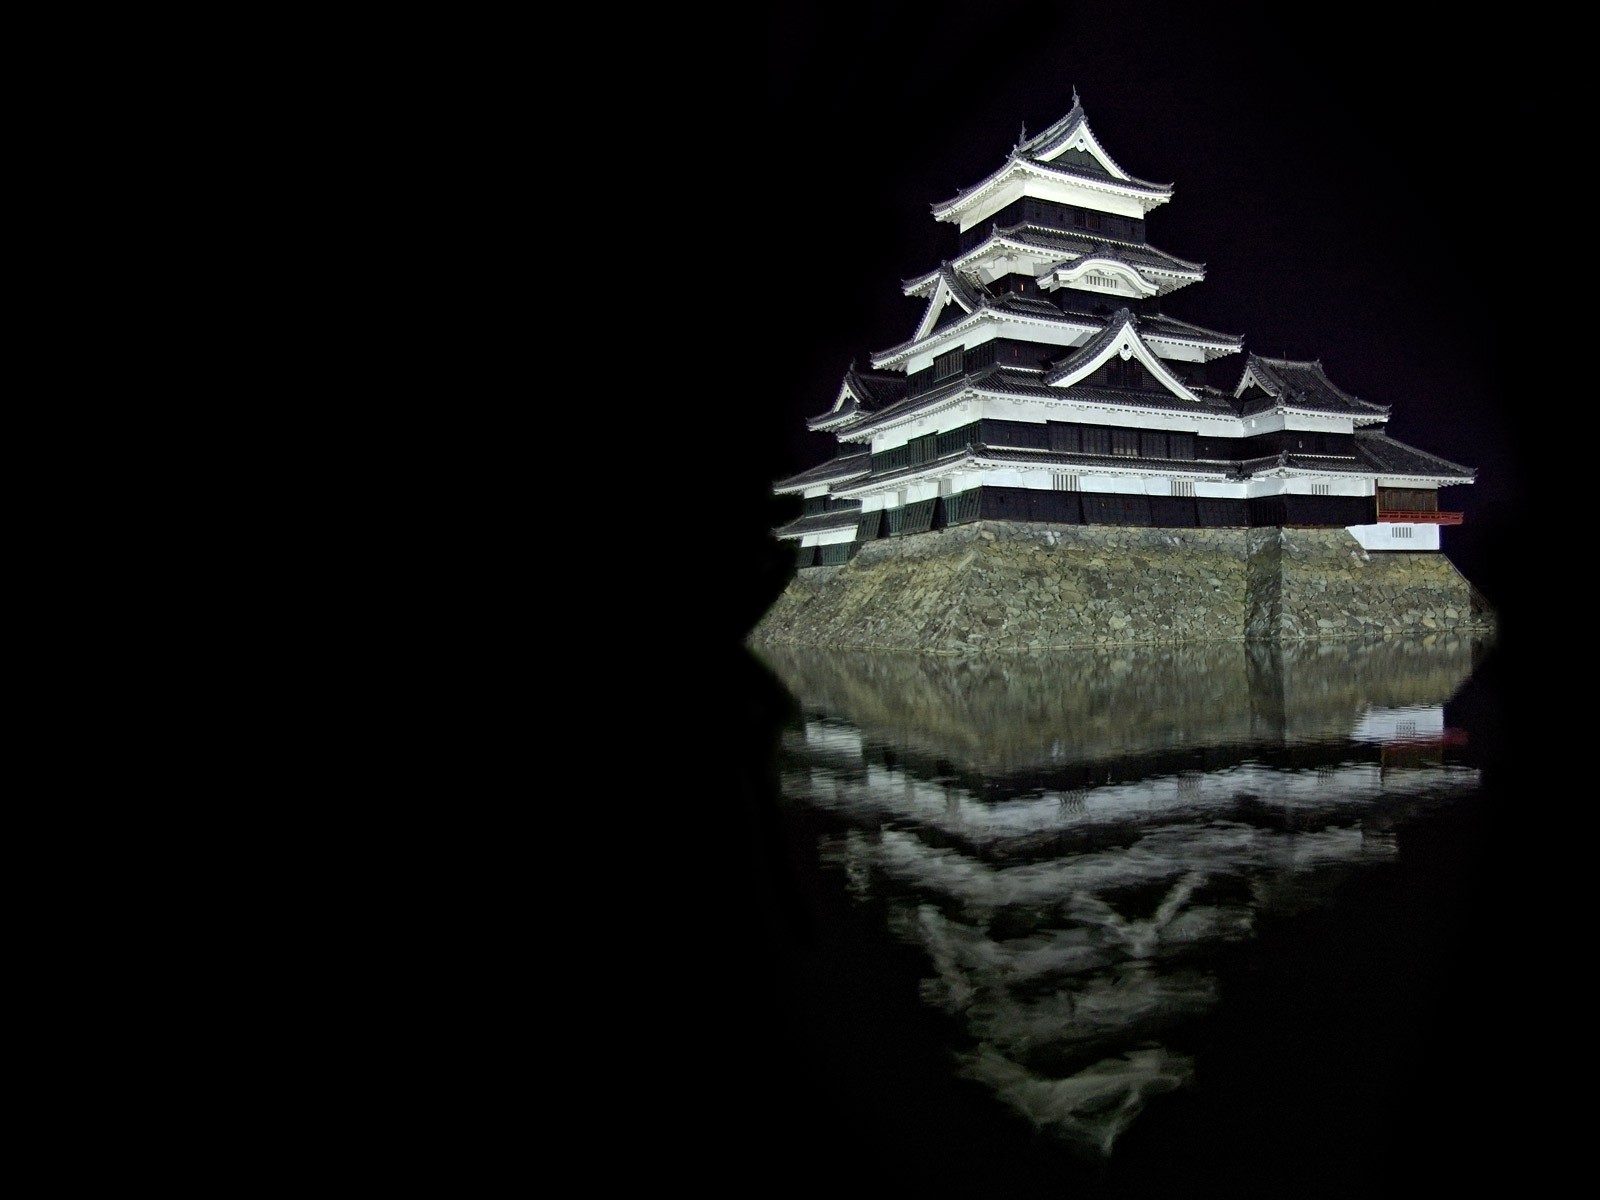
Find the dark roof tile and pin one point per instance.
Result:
(847, 518)
(1291, 383)
(845, 466)
(1383, 454)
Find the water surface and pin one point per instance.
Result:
(1130, 919)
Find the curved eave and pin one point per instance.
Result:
(1106, 346)
(1402, 479)
(1067, 274)
(1073, 132)
(1053, 260)
(1359, 412)
(834, 422)
(1210, 351)
(1146, 195)
(897, 356)
(922, 286)
(949, 288)
(1301, 386)
(1357, 417)
(916, 407)
(979, 457)
(1187, 333)
(1300, 466)
(1074, 400)
(1081, 398)
(1364, 415)
(889, 481)
(819, 523)
(848, 410)
(1101, 464)
(1393, 459)
(833, 472)
(1167, 282)
(1073, 242)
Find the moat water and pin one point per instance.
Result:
(1233, 919)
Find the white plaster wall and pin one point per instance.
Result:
(1336, 487)
(1396, 536)
(1301, 422)
(992, 203)
(1318, 424)
(1016, 478)
(1065, 192)
(829, 536)
(1139, 486)
(832, 536)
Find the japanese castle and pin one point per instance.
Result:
(1044, 390)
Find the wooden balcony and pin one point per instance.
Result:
(1414, 517)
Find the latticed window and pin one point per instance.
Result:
(963, 506)
(1409, 499)
(1182, 487)
(911, 518)
(833, 554)
(1319, 489)
(1125, 442)
(1063, 437)
(956, 439)
(947, 364)
(978, 357)
(1064, 482)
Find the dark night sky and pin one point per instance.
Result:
(1337, 183)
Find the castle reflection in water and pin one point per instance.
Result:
(1067, 839)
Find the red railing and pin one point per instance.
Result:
(1419, 518)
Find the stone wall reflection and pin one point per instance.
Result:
(1005, 712)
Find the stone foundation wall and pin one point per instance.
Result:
(1002, 586)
